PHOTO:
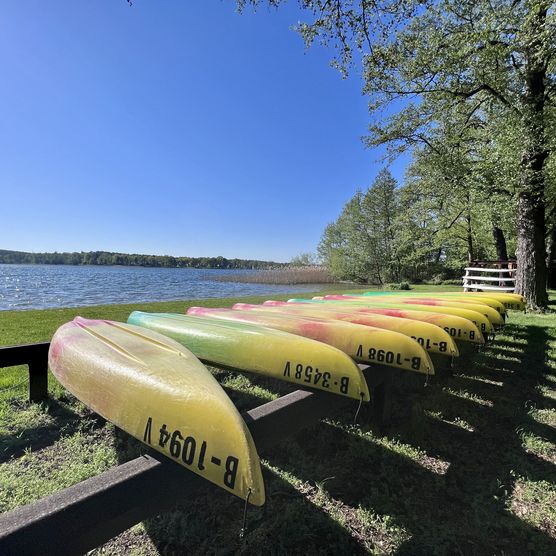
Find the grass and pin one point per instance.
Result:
(468, 465)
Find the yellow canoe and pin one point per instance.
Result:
(156, 390)
(363, 343)
(264, 351)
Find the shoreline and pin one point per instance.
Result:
(36, 287)
(283, 296)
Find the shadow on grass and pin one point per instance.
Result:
(61, 421)
(483, 468)
(210, 522)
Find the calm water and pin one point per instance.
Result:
(50, 286)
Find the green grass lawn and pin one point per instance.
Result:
(468, 465)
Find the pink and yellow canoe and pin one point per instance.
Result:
(363, 343)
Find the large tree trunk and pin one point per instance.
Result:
(531, 265)
(551, 259)
(531, 226)
(499, 243)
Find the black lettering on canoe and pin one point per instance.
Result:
(359, 351)
(231, 471)
(164, 436)
(175, 444)
(287, 369)
(148, 428)
(188, 454)
(344, 383)
(202, 452)
(215, 460)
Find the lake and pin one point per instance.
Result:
(51, 286)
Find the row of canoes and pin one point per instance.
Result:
(147, 375)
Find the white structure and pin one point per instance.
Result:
(479, 278)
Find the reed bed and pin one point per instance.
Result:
(285, 276)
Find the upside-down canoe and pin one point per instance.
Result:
(363, 343)
(491, 314)
(433, 338)
(264, 351)
(159, 392)
(477, 318)
(459, 328)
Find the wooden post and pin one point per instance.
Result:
(35, 356)
(38, 380)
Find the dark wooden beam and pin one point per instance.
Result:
(36, 357)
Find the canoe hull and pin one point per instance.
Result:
(157, 391)
(264, 351)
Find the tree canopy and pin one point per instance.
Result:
(489, 65)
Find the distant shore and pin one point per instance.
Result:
(109, 258)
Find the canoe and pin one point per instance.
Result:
(432, 338)
(497, 305)
(459, 328)
(509, 300)
(477, 318)
(264, 351)
(491, 314)
(159, 392)
(362, 343)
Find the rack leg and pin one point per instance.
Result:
(38, 380)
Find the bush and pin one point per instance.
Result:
(401, 286)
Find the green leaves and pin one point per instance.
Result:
(359, 246)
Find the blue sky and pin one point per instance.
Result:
(173, 127)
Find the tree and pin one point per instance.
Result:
(456, 176)
(360, 244)
(479, 53)
(304, 259)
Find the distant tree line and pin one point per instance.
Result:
(124, 259)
